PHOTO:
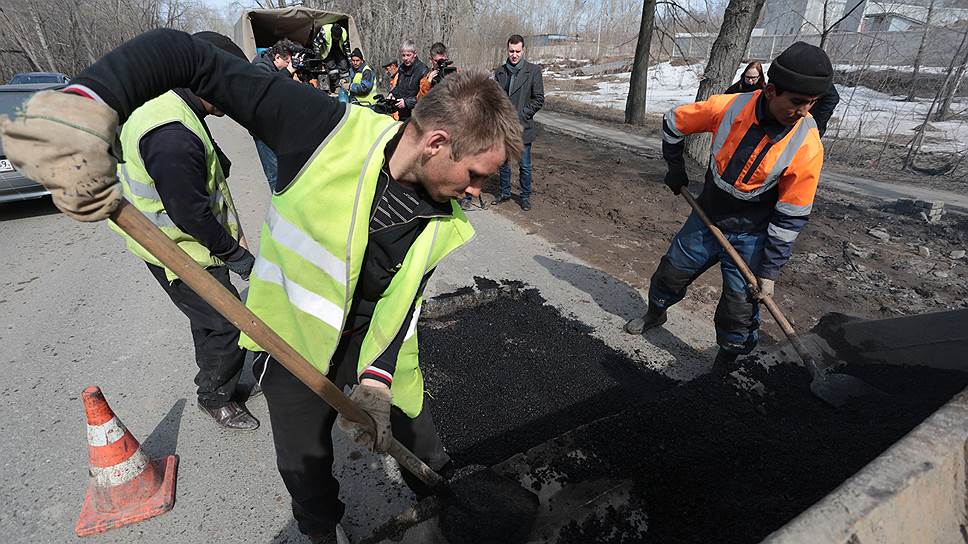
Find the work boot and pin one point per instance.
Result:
(526, 204)
(500, 199)
(652, 319)
(725, 362)
(232, 415)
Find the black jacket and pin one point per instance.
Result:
(408, 85)
(527, 94)
(824, 108)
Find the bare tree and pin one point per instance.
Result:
(920, 56)
(724, 58)
(639, 82)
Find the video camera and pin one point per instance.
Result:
(327, 75)
(308, 69)
(444, 67)
(384, 105)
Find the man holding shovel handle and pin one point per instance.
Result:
(364, 210)
(763, 171)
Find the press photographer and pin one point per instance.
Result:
(440, 66)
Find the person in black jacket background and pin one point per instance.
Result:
(410, 71)
(524, 84)
(277, 60)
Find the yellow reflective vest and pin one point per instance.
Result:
(369, 98)
(311, 253)
(140, 189)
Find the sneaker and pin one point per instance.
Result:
(500, 199)
(526, 204)
(466, 202)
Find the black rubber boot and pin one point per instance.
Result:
(652, 319)
(725, 362)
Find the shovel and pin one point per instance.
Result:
(504, 500)
(831, 387)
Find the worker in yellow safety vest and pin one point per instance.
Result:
(365, 209)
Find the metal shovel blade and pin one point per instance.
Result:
(836, 389)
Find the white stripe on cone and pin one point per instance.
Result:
(121, 473)
(106, 433)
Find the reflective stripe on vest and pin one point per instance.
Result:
(312, 248)
(791, 142)
(140, 189)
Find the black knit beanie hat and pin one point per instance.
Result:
(357, 53)
(221, 41)
(802, 68)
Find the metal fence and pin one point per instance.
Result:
(869, 48)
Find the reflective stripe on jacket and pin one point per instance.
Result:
(311, 253)
(139, 188)
(749, 163)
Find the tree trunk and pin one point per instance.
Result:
(920, 55)
(953, 83)
(724, 59)
(639, 82)
(43, 41)
(21, 41)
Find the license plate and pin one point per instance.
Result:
(5, 166)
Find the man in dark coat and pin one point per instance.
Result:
(411, 71)
(523, 82)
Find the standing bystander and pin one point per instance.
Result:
(523, 82)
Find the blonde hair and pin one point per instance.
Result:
(475, 111)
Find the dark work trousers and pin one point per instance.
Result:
(693, 251)
(217, 352)
(301, 429)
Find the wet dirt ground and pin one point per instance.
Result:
(710, 462)
(609, 207)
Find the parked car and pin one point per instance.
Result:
(29, 78)
(13, 185)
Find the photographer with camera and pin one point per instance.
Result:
(410, 71)
(362, 81)
(278, 59)
(440, 66)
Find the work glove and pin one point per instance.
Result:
(241, 262)
(68, 144)
(764, 288)
(374, 400)
(676, 178)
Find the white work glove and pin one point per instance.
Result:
(68, 144)
(764, 288)
(374, 400)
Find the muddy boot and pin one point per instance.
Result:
(725, 362)
(652, 319)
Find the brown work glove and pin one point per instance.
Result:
(376, 402)
(66, 143)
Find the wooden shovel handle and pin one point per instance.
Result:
(136, 225)
(744, 269)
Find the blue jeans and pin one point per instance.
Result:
(693, 251)
(524, 171)
(269, 164)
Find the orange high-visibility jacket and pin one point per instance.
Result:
(760, 174)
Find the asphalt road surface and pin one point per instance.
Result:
(76, 309)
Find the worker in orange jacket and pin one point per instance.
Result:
(764, 166)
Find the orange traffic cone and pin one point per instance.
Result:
(126, 486)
